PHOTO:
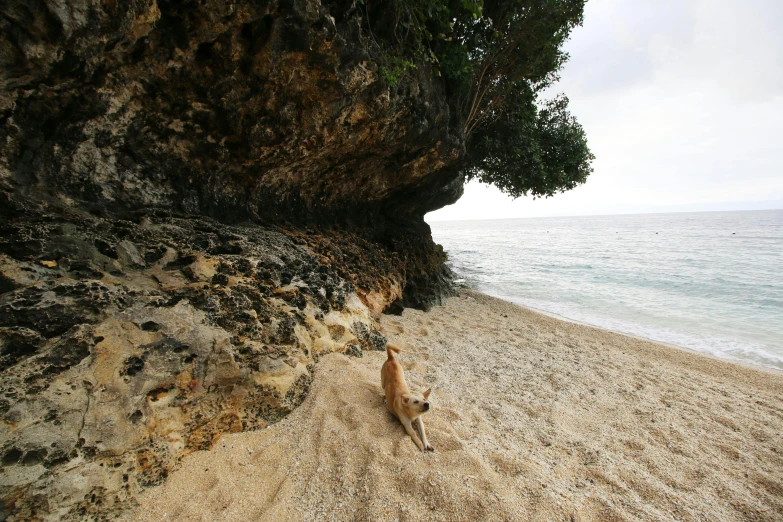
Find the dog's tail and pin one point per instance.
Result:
(391, 350)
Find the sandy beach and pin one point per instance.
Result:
(533, 418)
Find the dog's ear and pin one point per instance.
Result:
(427, 394)
(406, 398)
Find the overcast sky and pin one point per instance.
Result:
(682, 103)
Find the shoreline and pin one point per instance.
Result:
(533, 419)
(746, 364)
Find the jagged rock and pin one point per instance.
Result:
(202, 269)
(197, 199)
(353, 349)
(370, 338)
(170, 104)
(128, 254)
(107, 378)
(242, 110)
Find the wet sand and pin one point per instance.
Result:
(534, 418)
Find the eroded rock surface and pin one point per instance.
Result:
(125, 344)
(197, 199)
(231, 109)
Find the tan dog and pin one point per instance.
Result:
(403, 404)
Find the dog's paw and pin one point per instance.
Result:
(428, 448)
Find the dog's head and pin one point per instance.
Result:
(417, 403)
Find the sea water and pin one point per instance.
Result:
(707, 281)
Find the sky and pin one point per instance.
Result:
(682, 104)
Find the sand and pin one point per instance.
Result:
(533, 418)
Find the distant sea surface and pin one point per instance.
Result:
(707, 281)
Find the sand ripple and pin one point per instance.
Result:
(534, 419)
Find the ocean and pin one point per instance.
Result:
(707, 281)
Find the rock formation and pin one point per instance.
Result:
(197, 199)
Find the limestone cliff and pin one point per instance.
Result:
(230, 109)
(197, 199)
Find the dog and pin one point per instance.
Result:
(403, 404)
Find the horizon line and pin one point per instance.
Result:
(779, 207)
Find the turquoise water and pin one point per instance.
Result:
(708, 281)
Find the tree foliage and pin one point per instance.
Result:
(496, 57)
(531, 150)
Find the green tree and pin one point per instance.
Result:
(496, 57)
(530, 150)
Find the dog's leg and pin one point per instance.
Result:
(406, 422)
(420, 424)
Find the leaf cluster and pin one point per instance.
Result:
(495, 58)
(394, 68)
(531, 150)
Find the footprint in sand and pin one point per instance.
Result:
(415, 352)
(449, 415)
(511, 466)
(414, 367)
(395, 327)
(443, 441)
